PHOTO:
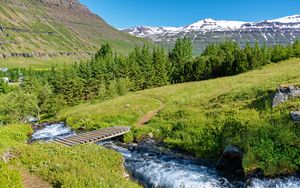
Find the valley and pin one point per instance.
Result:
(86, 105)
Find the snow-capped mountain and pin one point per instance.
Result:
(205, 25)
(211, 25)
(288, 19)
(282, 30)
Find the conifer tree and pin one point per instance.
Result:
(147, 68)
(179, 56)
(160, 64)
(249, 54)
(296, 48)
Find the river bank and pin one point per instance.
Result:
(156, 166)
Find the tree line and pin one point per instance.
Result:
(108, 74)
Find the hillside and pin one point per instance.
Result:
(55, 27)
(201, 118)
(278, 31)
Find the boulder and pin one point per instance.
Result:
(285, 93)
(295, 116)
(230, 162)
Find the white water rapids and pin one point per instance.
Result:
(53, 131)
(162, 170)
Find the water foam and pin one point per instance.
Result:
(290, 182)
(167, 171)
(53, 131)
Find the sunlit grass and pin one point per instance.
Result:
(201, 118)
(40, 63)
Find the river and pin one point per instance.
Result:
(154, 169)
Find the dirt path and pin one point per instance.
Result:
(32, 181)
(146, 118)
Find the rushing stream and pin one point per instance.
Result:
(154, 169)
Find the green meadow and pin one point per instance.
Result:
(201, 118)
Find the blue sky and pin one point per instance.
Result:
(127, 13)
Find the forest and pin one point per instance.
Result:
(42, 94)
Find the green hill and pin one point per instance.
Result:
(201, 118)
(55, 27)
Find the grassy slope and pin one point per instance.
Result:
(40, 63)
(203, 117)
(11, 136)
(76, 167)
(74, 30)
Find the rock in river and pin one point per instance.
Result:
(230, 162)
(295, 116)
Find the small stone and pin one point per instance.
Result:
(6, 157)
(295, 116)
(150, 135)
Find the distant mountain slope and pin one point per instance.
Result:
(283, 30)
(51, 27)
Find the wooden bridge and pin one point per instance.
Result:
(93, 136)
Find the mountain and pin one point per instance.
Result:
(52, 27)
(283, 31)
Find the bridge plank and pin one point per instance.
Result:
(93, 136)
(80, 138)
(64, 143)
(87, 135)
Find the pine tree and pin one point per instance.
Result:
(189, 72)
(249, 54)
(240, 64)
(227, 51)
(160, 61)
(256, 61)
(104, 52)
(136, 74)
(147, 68)
(278, 53)
(179, 56)
(265, 55)
(296, 48)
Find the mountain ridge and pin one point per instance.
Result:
(277, 31)
(56, 27)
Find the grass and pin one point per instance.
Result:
(39, 63)
(11, 136)
(71, 167)
(119, 111)
(9, 178)
(75, 167)
(201, 118)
